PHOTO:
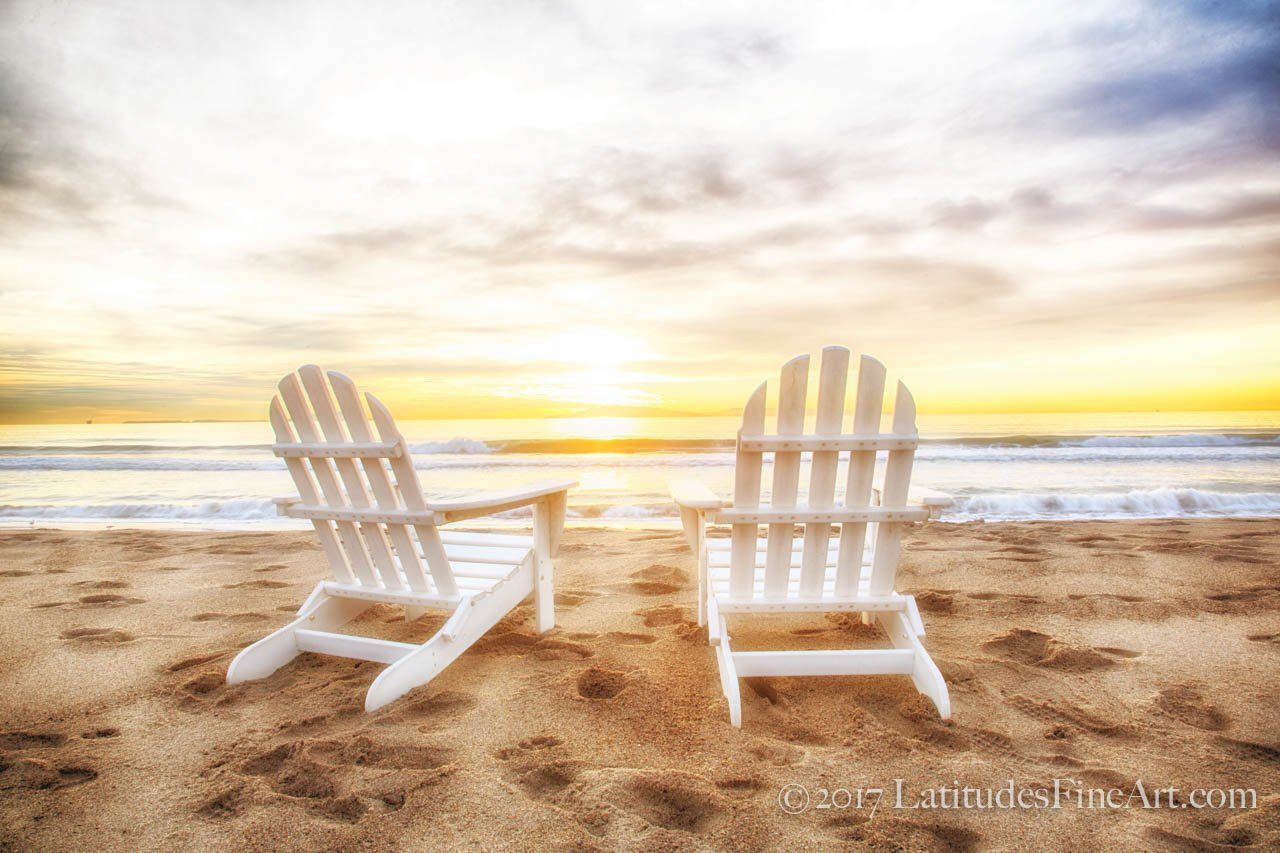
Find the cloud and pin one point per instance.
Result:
(433, 188)
(1222, 56)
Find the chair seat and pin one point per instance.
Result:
(718, 558)
(480, 561)
(720, 584)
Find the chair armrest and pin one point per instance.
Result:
(283, 504)
(489, 503)
(933, 501)
(692, 494)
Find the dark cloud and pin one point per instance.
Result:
(1246, 209)
(966, 215)
(1232, 59)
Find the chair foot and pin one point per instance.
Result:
(273, 651)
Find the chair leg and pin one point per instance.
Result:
(713, 622)
(729, 677)
(278, 648)
(469, 622)
(544, 594)
(924, 672)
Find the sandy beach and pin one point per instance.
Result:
(1105, 652)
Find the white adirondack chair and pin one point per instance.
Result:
(383, 542)
(778, 573)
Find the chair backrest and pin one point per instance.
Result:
(826, 445)
(359, 490)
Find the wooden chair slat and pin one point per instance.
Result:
(411, 493)
(897, 481)
(792, 391)
(379, 481)
(305, 426)
(306, 486)
(317, 388)
(868, 408)
(322, 428)
(746, 492)
(832, 378)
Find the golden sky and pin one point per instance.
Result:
(526, 209)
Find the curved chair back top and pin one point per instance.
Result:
(358, 485)
(843, 431)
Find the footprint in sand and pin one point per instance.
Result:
(597, 683)
(779, 754)
(97, 635)
(903, 834)
(441, 707)
(671, 800)
(739, 787)
(262, 584)
(38, 774)
(233, 618)
(573, 597)
(931, 601)
(104, 732)
(274, 567)
(202, 684)
(340, 780)
(532, 744)
(551, 648)
(1037, 649)
(628, 638)
(187, 663)
(108, 599)
(658, 579)
(18, 739)
(14, 573)
(765, 689)
(1055, 713)
(1184, 703)
(101, 584)
(663, 614)
(1259, 752)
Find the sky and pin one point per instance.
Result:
(483, 209)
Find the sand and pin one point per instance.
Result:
(1107, 652)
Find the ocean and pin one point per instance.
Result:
(998, 467)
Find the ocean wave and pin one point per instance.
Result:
(1190, 454)
(127, 463)
(452, 445)
(464, 446)
(1191, 439)
(425, 462)
(231, 510)
(1135, 504)
(1153, 503)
